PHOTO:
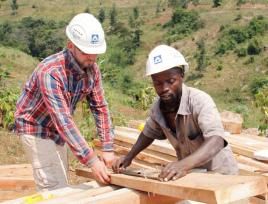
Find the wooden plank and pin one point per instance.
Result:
(11, 195)
(143, 156)
(157, 145)
(148, 150)
(18, 170)
(79, 196)
(58, 192)
(150, 158)
(14, 183)
(128, 196)
(207, 188)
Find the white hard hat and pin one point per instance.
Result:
(86, 32)
(164, 57)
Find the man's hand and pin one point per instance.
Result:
(100, 172)
(172, 171)
(121, 164)
(108, 158)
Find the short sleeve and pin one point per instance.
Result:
(153, 130)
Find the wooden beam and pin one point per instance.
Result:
(150, 158)
(79, 196)
(16, 183)
(17, 170)
(55, 193)
(128, 196)
(131, 137)
(208, 188)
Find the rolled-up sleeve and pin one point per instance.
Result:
(100, 111)
(52, 90)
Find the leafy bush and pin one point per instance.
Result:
(8, 98)
(254, 47)
(233, 36)
(257, 84)
(36, 37)
(182, 24)
(193, 76)
(241, 52)
(262, 103)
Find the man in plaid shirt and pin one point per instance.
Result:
(43, 118)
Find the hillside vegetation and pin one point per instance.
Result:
(225, 42)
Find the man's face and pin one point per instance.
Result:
(84, 60)
(168, 85)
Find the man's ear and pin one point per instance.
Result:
(182, 74)
(70, 45)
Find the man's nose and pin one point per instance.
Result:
(92, 57)
(165, 87)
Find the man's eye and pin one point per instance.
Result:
(171, 81)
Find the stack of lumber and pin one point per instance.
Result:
(200, 187)
(93, 192)
(16, 181)
(161, 152)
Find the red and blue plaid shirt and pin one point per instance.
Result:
(49, 99)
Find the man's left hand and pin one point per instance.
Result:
(172, 171)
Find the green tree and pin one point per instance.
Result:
(217, 3)
(136, 13)
(14, 7)
(101, 15)
(201, 56)
(254, 47)
(113, 16)
(262, 102)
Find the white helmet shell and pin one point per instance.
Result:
(86, 33)
(164, 57)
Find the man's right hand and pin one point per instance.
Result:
(121, 163)
(100, 172)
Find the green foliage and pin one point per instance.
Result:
(146, 96)
(8, 98)
(217, 3)
(181, 3)
(113, 16)
(14, 7)
(87, 126)
(240, 2)
(36, 37)
(257, 84)
(101, 15)
(254, 47)
(241, 52)
(201, 56)
(234, 36)
(262, 103)
(238, 17)
(182, 24)
(87, 10)
(136, 13)
(193, 76)
(143, 98)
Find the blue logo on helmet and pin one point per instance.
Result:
(157, 59)
(94, 38)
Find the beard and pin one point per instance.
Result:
(170, 103)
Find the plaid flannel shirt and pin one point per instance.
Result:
(49, 99)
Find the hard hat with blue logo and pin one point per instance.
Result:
(164, 57)
(86, 33)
